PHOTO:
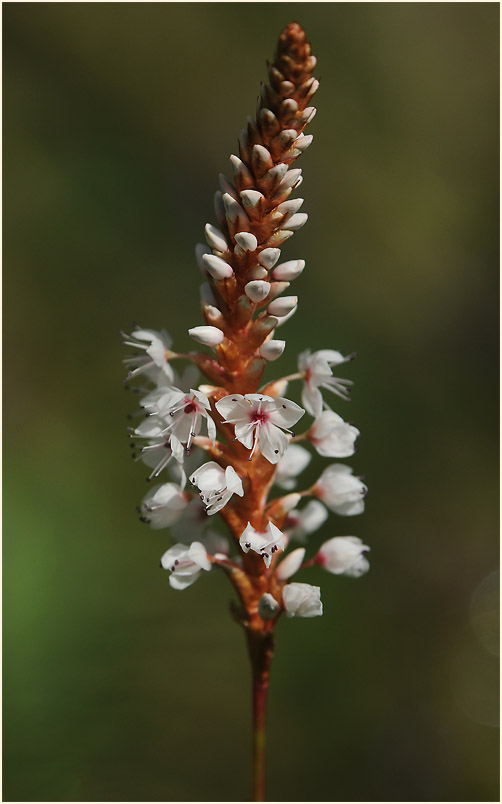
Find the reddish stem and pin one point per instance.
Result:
(261, 647)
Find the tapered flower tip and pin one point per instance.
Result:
(287, 271)
(257, 290)
(282, 306)
(268, 607)
(215, 238)
(290, 564)
(272, 349)
(251, 198)
(268, 257)
(216, 267)
(302, 600)
(209, 336)
(246, 241)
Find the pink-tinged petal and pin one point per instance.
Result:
(273, 442)
(284, 413)
(201, 398)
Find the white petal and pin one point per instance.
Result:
(268, 257)
(211, 429)
(210, 476)
(312, 399)
(284, 412)
(226, 406)
(302, 600)
(244, 432)
(287, 271)
(180, 581)
(246, 241)
(290, 564)
(273, 442)
(198, 554)
(233, 481)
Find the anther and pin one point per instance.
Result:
(248, 545)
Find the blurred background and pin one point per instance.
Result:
(117, 120)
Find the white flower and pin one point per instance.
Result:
(332, 437)
(163, 505)
(340, 490)
(290, 564)
(265, 543)
(344, 555)
(216, 485)
(300, 523)
(316, 371)
(183, 413)
(185, 564)
(258, 419)
(291, 464)
(156, 346)
(268, 607)
(302, 600)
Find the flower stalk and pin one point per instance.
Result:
(247, 445)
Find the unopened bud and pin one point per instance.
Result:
(268, 607)
(272, 349)
(282, 306)
(218, 268)
(268, 257)
(288, 270)
(246, 241)
(209, 336)
(257, 290)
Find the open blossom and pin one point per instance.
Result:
(156, 346)
(332, 437)
(302, 600)
(265, 543)
(185, 564)
(340, 490)
(344, 555)
(258, 419)
(292, 463)
(163, 505)
(316, 370)
(182, 413)
(301, 522)
(216, 485)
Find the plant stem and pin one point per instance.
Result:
(261, 648)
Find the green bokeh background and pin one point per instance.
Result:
(118, 118)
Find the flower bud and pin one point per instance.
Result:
(209, 336)
(246, 241)
(343, 555)
(302, 600)
(288, 270)
(272, 350)
(218, 268)
(290, 564)
(257, 290)
(215, 238)
(282, 306)
(268, 257)
(268, 607)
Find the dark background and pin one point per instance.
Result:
(117, 120)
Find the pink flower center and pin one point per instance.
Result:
(259, 417)
(190, 408)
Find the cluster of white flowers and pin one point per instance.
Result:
(243, 303)
(261, 423)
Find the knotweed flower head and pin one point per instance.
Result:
(232, 435)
